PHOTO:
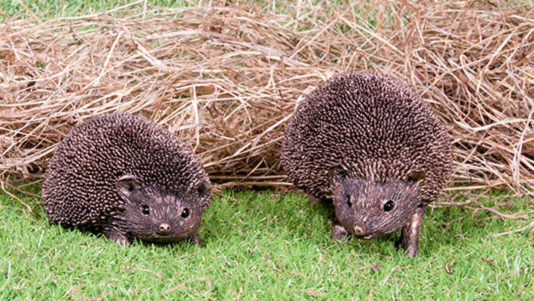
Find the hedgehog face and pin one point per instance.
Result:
(153, 215)
(369, 209)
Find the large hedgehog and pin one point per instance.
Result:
(371, 146)
(126, 177)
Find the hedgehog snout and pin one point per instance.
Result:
(164, 229)
(359, 230)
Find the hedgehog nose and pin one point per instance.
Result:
(359, 230)
(164, 229)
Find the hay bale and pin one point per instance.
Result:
(227, 79)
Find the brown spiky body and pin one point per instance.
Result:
(375, 132)
(80, 188)
(373, 126)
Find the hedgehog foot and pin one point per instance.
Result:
(409, 239)
(313, 199)
(340, 233)
(117, 236)
(195, 238)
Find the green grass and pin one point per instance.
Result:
(64, 8)
(264, 245)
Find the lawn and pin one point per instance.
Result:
(60, 8)
(263, 245)
(267, 245)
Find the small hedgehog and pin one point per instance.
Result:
(128, 178)
(369, 145)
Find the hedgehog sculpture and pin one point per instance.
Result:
(369, 145)
(128, 178)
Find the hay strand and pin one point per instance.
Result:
(227, 77)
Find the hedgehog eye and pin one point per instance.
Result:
(185, 213)
(389, 205)
(349, 201)
(145, 209)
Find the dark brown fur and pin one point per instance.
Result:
(108, 170)
(382, 142)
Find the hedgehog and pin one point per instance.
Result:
(126, 177)
(369, 147)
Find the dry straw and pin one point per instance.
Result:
(227, 77)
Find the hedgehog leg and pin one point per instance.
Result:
(195, 238)
(409, 239)
(117, 236)
(313, 199)
(339, 232)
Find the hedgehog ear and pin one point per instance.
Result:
(126, 184)
(337, 174)
(204, 190)
(415, 176)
